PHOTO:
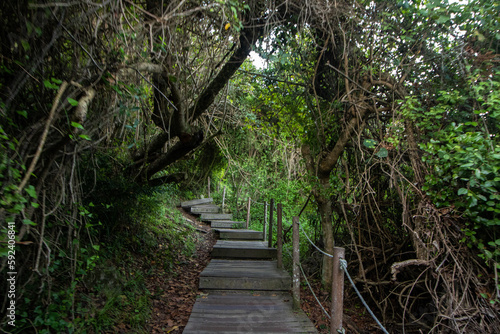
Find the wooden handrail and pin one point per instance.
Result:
(279, 235)
(295, 266)
(248, 212)
(337, 290)
(270, 233)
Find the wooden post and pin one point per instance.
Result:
(337, 290)
(295, 267)
(270, 233)
(265, 222)
(209, 186)
(223, 198)
(248, 212)
(279, 235)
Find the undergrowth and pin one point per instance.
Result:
(100, 287)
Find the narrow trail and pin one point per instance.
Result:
(175, 294)
(176, 290)
(242, 288)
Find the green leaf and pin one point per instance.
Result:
(370, 143)
(28, 222)
(85, 137)
(382, 153)
(23, 113)
(73, 102)
(77, 125)
(50, 85)
(31, 191)
(488, 254)
(462, 191)
(443, 19)
(25, 44)
(480, 37)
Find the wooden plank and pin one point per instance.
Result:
(244, 275)
(242, 253)
(243, 250)
(206, 208)
(247, 313)
(241, 244)
(226, 224)
(244, 283)
(243, 268)
(216, 216)
(188, 204)
(241, 234)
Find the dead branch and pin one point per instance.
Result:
(43, 138)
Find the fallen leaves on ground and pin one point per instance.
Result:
(174, 291)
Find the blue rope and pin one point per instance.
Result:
(343, 265)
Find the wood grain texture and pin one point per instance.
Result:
(242, 234)
(216, 216)
(244, 275)
(205, 208)
(247, 313)
(188, 204)
(243, 250)
(229, 224)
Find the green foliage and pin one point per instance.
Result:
(12, 201)
(98, 285)
(465, 175)
(463, 153)
(237, 9)
(113, 300)
(140, 214)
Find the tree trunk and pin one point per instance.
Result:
(322, 169)
(176, 126)
(325, 211)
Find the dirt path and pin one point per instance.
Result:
(175, 291)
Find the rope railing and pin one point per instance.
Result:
(343, 266)
(310, 287)
(312, 291)
(312, 243)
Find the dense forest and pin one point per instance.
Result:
(378, 118)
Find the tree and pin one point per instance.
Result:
(381, 163)
(86, 85)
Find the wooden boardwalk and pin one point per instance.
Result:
(242, 289)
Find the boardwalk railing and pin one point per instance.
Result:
(338, 262)
(337, 295)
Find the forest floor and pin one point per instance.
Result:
(174, 293)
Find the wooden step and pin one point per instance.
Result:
(216, 216)
(205, 208)
(244, 275)
(244, 312)
(243, 250)
(241, 234)
(227, 224)
(188, 204)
